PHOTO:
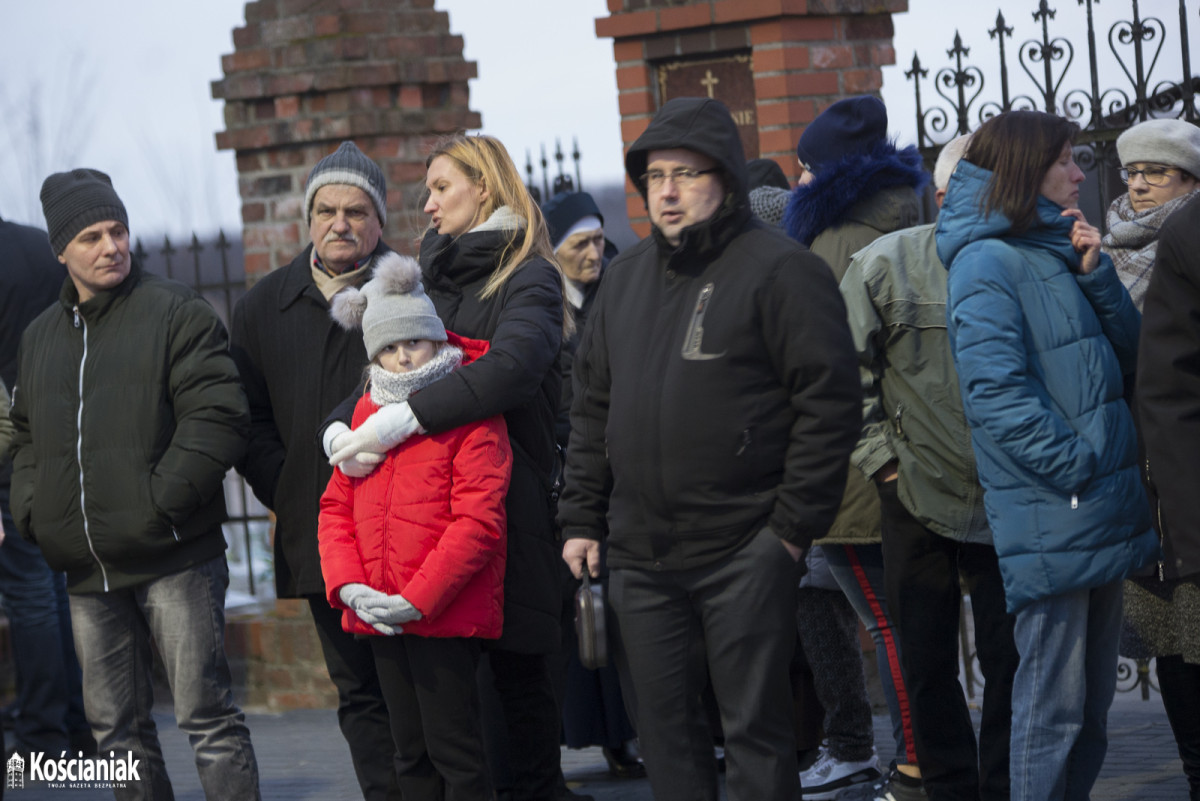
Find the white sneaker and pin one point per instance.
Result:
(828, 777)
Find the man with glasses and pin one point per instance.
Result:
(716, 404)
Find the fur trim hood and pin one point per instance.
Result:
(843, 184)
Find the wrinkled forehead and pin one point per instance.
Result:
(341, 196)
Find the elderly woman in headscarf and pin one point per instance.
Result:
(1160, 161)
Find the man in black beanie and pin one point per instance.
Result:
(297, 365)
(127, 414)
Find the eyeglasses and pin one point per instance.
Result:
(1155, 176)
(682, 177)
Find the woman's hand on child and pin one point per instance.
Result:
(378, 434)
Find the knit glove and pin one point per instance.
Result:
(396, 609)
(368, 604)
(378, 434)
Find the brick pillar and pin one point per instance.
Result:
(307, 74)
(804, 55)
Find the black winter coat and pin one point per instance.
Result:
(1168, 392)
(519, 378)
(716, 386)
(128, 413)
(30, 279)
(297, 364)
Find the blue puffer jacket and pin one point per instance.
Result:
(1041, 353)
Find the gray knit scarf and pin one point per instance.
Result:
(388, 387)
(1132, 241)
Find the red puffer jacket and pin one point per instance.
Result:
(428, 524)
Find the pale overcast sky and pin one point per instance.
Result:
(125, 88)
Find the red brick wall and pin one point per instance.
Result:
(307, 74)
(806, 54)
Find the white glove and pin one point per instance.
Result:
(367, 604)
(396, 609)
(378, 434)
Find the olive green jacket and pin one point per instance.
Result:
(895, 293)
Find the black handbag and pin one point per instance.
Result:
(589, 624)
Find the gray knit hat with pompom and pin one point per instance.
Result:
(391, 307)
(348, 165)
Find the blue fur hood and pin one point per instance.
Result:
(841, 185)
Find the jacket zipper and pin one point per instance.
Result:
(80, 322)
(1074, 501)
(899, 425)
(1158, 517)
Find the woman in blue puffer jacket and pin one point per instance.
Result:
(1043, 335)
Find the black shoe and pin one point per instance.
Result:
(624, 762)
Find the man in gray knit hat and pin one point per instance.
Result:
(127, 414)
(297, 365)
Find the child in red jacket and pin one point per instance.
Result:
(414, 552)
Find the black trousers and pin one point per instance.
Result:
(734, 622)
(429, 684)
(1180, 685)
(362, 712)
(922, 578)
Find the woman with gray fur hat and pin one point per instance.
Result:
(1160, 161)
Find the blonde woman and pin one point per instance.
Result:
(487, 265)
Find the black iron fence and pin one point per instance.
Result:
(560, 182)
(1145, 48)
(215, 269)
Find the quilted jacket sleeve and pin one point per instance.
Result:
(985, 321)
(340, 560)
(1119, 318)
(211, 415)
(482, 467)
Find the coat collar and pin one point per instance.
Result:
(298, 281)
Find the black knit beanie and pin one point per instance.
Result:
(74, 200)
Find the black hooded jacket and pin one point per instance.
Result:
(716, 388)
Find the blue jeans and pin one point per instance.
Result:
(49, 692)
(185, 614)
(858, 570)
(1062, 691)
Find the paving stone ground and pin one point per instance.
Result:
(302, 757)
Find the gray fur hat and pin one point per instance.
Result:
(348, 165)
(391, 307)
(1173, 143)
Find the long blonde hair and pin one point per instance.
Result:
(484, 160)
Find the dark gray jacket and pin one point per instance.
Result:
(128, 412)
(715, 388)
